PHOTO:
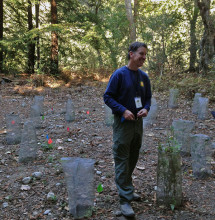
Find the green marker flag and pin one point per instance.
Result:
(43, 117)
(99, 188)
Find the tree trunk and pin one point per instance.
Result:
(1, 35)
(193, 40)
(37, 10)
(207, 48)
(132, 28)
(31, 46)
(136, 6)
(54, 40)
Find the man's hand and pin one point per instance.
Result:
(128, 115)
(142, 113)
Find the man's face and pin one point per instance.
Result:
(138, 57)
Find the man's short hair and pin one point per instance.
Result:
(134, 47)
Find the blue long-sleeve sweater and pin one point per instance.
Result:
(124, 85)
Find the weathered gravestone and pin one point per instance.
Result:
(79, 175)
(109, 118)
(201, 150)
(182, 130)
(70, 111)
(28, 146)
(195, 107)
(152, 115)
(173, 98)
(203, 108)
(14, 127)
(38, 101)
(35, 113)
(169, 177)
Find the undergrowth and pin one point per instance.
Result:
(188, 85)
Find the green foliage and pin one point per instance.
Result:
(99, 188)
(47, 147)
(94, 35)
(172, 207)
(171, 145)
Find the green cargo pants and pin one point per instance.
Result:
(127, 138)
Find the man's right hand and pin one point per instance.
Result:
(128, 115)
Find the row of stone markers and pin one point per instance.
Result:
(79, 172)
(200, 104)
(199, 146)
(26, 137)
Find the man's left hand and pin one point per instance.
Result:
(142, 113)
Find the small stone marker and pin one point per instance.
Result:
(196, 103)
(28, 146)
(173, 98)
(38, 101)
(35, 114)
(203, 108)
(109, 118)
(182, 131)
(79, 175)
(201, 149)
(152, 115)
(70, 111)
(13, 135)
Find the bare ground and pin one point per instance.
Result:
(91, 138)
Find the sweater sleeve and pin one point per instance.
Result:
(148, 95)
(111, 95)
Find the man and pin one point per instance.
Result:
(128, 94)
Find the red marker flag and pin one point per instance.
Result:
(68, 129)
(88, 112)
(49, 141)
(13, 122)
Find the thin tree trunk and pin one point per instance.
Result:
(207, 49)
(54, 40)
(37, 10)
(132, 28)
(31, 46)
(1, 35)
(193, 40)
(136, 6)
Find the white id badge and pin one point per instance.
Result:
(138, 102)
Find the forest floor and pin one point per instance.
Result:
(89, 137)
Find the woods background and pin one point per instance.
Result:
(92, 36)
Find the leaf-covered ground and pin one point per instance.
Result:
(89, 137)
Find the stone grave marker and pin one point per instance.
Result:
(14, 127)
(196, 103)
(152, 115)
(79, 175)
(173, 98)
(28, 146)
(38, 101)
(203, 108)
(109, 117)
(182, 131)
(35, 113)
(201, 150)
(70, 111)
